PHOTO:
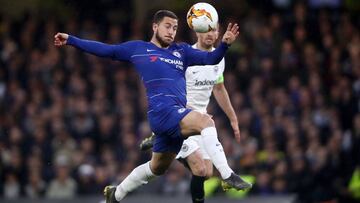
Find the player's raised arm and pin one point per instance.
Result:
(197, 57)
(232, 32)
(119, 52)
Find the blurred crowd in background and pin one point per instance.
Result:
(70, 123)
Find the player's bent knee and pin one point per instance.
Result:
(207, 121)
(158, 170)
(199, 170)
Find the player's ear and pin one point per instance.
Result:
(217, 34)
(197, 34)
(217, 30)
(155, 26)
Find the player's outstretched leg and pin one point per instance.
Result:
(159, 163)
(139, 176)
(197, 122)
(235, 181)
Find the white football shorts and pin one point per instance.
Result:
(190, 145)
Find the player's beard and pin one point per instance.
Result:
(208, 45)
(162, 42)
(209, 42)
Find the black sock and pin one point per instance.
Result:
(197, 189)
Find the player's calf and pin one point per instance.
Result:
(197, 164)
(160, 162)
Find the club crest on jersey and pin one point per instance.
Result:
(182, 110)
(184, 148)
(177, 54)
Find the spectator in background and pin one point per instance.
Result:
(36, 186)
(12, 188)
(62, 186)
(85, 176)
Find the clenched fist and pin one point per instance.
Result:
(60, 39)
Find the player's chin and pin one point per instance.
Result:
(169, 40)
(209, 42)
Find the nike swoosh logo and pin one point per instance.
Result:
(194, 72)
(149, 50)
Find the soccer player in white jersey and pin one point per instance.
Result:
(201, 81)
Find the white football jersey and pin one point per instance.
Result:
(200, 81)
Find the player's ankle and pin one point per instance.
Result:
(120, 193)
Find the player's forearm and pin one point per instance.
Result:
(217, 55)
(92, 47)
(222, 97)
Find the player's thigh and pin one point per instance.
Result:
(209, 167)
(160, 162)
(196, 164)
(194, 122)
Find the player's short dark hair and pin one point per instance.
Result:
(161, 14)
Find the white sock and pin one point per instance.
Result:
(139, 176)
(216, 152)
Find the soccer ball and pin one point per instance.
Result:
(202, 17)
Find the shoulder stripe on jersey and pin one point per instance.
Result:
(136, 55)
(158, 79)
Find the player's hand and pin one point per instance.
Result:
(60, 39)
(235, 127)
(231, 33)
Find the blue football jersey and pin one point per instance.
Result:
(162, 70)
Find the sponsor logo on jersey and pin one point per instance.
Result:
(180, 67)
(153, 58)
(171, 61)
(178, 63)
(205, 82)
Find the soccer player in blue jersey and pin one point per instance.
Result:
(161, 64)
(201, 82)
